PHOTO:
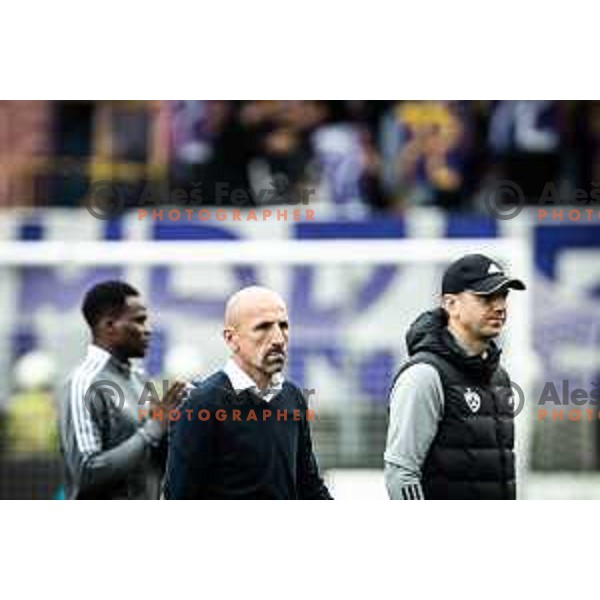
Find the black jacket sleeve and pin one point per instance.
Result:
(310, 483)
(191, 452)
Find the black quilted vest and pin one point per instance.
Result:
(471, 456)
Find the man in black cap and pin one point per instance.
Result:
(451, 428)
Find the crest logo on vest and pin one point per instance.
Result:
(473, 400)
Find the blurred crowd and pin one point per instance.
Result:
(361, 157)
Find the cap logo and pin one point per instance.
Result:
(493, 268)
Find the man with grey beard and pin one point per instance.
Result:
(245, 432)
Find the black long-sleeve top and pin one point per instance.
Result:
(237, 446)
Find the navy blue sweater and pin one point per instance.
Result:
(237, 446)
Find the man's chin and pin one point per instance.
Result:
(275, 366)
(491, 332)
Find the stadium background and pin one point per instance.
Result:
(381, 170)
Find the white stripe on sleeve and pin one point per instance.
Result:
(85, 432)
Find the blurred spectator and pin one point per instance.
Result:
(95, 141)
(24, 144)
(31, 418)
(327, 145)
(427, 149)
(368, 113)
(30, 467)
(525, 138)
(585, 144)
(210, 150)
(348, 169)
(280, 142)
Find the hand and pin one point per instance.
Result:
(171, 400)
(174, 395)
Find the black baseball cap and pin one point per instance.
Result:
(479, 274)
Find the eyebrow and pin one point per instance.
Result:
(489, 297)
(261, 324)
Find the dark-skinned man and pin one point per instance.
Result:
(111, 451)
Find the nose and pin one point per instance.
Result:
(278, 338)
(499, 303)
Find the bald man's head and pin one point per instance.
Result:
(256, 331)
(249, 300)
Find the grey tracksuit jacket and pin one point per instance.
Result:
(110, 449)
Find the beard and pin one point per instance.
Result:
(274, 363)
(489, 332)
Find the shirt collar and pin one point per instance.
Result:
(101, 354)
(241, 381)
(98, 353)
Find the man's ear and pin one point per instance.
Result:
(449, 302)
(229, 335)
(105, 327)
